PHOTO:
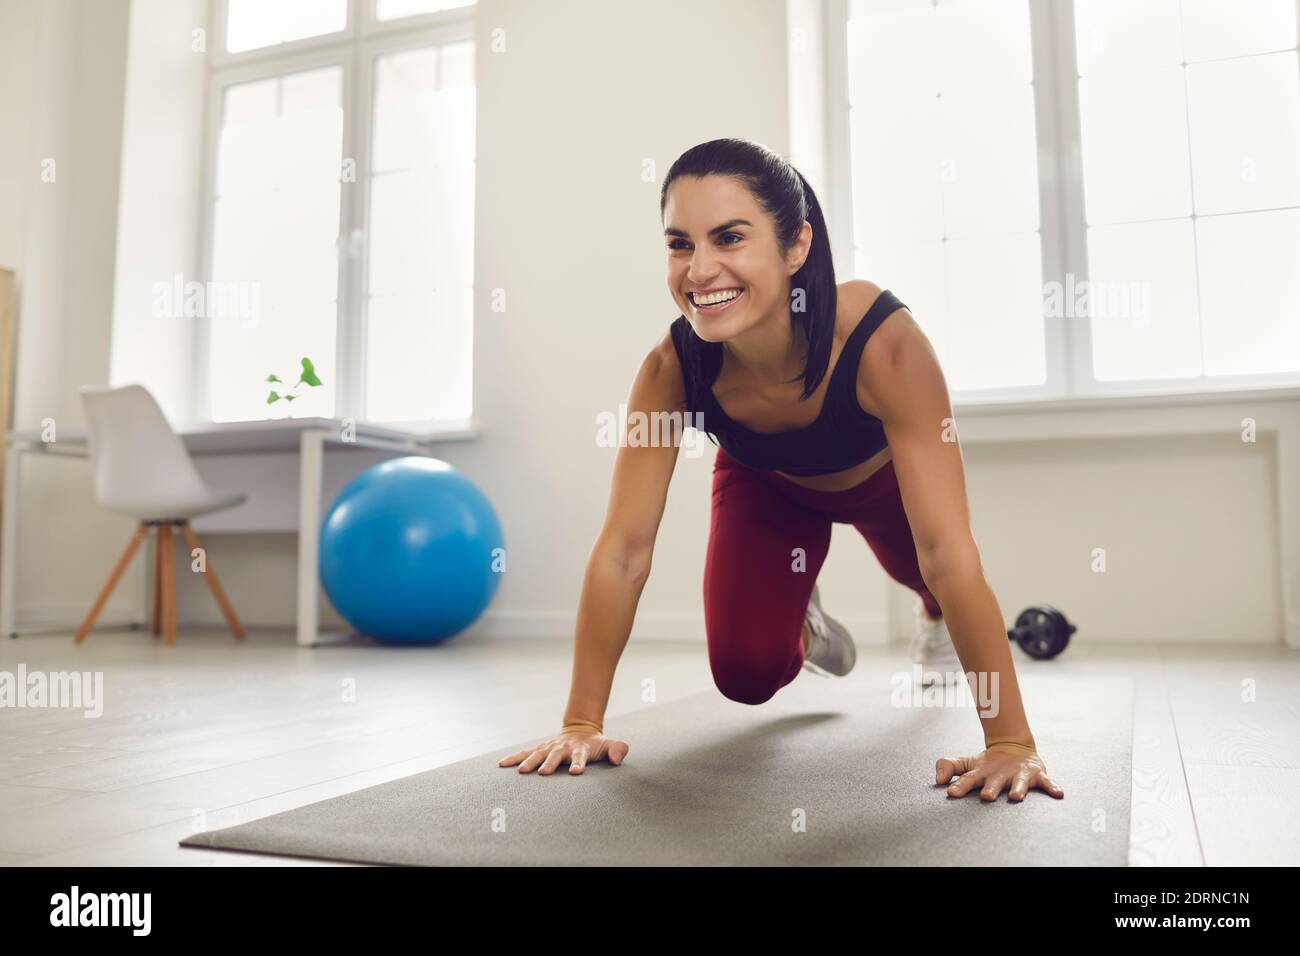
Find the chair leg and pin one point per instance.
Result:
(210, 576)
(116, 575)
(156, 627)
(169, 585)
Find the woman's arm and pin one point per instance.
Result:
(617, 567)
(901, 381)
(619, 563)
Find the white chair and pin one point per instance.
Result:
(141, 469)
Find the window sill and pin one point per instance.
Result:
(1269, 409)
(1102, 403)
(464, 429)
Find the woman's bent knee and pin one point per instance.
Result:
(749, 682)
(747, 693)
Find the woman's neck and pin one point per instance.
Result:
(772, 352)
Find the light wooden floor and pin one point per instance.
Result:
(210, 733)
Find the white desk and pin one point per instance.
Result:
(308, 438)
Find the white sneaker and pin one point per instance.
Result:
(830, 646)
(932, 646)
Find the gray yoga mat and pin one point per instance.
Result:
(828, 772)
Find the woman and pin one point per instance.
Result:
(829, 406)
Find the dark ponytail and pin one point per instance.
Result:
(785, 195)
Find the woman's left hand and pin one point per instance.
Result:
(995, 767)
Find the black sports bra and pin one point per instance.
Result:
(842, 435)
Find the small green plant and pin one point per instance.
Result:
(307, 377)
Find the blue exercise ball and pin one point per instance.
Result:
(411, 551)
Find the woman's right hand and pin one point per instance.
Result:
(574, 748)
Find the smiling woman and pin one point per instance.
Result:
(777, 258)
(819, 409)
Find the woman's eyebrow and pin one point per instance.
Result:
(716, 230)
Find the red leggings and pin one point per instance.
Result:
(768, 538)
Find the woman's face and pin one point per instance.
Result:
(722, 245)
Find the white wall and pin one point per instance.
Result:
(61, 103)
(1183, 560)
(158, 217)
(19, 25)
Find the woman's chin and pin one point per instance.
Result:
(712, 330)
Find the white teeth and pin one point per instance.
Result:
(714, 298)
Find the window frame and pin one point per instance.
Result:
(355, 49)
(1062, 223)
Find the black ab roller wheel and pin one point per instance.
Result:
(1041, 631)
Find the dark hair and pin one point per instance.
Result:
(785, 195)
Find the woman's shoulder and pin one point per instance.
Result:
(666, 349)
(663, 367)
(882, 348)
(859, 287)
(853, 299)
(856, 298)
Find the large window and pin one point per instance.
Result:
(340, 209)
(1082, 197)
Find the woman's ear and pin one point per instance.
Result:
(798, 252)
